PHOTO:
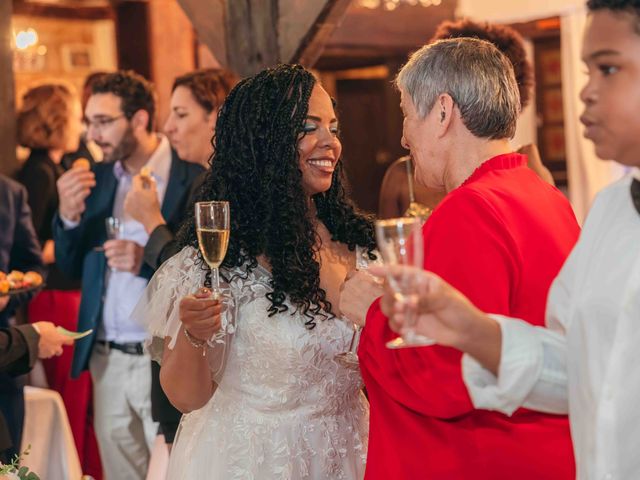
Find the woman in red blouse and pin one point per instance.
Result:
(500, 236)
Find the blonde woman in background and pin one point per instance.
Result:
(49, 123)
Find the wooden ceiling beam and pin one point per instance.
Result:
(250, 35)
(208, 20)
(312, 44)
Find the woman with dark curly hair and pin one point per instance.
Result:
(263, 395)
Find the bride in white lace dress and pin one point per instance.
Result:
(268, 399)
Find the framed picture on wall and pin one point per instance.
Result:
(552, 107)
(550, 63)
(77, 56)
(554, 146)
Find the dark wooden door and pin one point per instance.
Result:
(371, 124)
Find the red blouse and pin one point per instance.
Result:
(500, 238)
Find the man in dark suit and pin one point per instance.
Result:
(19, 348)
(120, 115)
(19, 250)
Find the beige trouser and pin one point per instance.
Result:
(122, 412)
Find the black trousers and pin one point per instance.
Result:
(161, 409)
(12, 409)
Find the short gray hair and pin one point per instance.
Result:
(478, 77)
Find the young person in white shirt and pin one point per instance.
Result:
(585, 362)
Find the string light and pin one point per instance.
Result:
(390, 5)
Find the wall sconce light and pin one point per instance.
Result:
(26, 38)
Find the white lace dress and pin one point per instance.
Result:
(284, 408)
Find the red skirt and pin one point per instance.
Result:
(60, 307)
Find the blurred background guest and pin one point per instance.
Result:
(120, 114)
(195, 100)
(19, 250)
(20, 347)
(50, 125)
(86, 148)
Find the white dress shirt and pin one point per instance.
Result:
(124, 289)
(587, 362)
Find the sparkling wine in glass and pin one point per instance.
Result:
(400, 243)
(212, 227)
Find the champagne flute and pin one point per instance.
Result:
(212, 226)
(115, 229)
(400, 243)
(349, 358)
(415, 209)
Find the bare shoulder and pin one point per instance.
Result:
(394, 190)
(397, 170)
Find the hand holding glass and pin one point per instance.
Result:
(400, 243)
(212, 226)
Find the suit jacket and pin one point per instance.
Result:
(75, 248)
(19, 246)
(18, 354)
(18, 349)
(19, 250)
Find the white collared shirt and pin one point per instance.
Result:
(124, 289)
(587, 362)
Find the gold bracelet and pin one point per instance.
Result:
(195, 342)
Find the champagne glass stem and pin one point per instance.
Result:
(352, 345)
(215, 280)
(409, 321)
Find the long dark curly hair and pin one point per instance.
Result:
(255, 167)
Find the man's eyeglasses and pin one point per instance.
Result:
(101, 123)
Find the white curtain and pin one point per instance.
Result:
(587, 174)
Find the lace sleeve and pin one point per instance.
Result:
(158, 308)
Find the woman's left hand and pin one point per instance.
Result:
(357, 293)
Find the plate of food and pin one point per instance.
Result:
(16, 282)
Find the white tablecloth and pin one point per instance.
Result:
(53, 454)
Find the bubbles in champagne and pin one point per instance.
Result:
(213, 245)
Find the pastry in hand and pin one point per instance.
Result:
(145, 176)
(81, 164)
(4, 286)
